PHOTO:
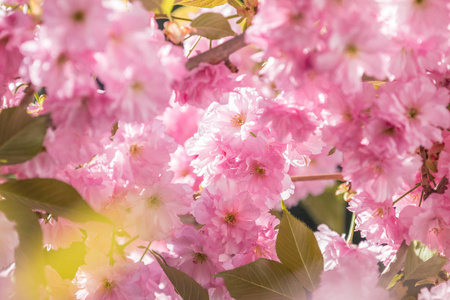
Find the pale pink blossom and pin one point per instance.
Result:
(438, 292)
(9, 240)
(154, 210)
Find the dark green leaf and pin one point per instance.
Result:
(52, 196)
(202, 3)
(327, 208)
(263, 280)
(297, 249)
(29, 272)
(421, 262)
(21, 135)
(212, 26)
(185, 286)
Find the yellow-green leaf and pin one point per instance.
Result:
(202, 3)
(21, 135)
(263, 280)
(185, 286)
(162, 6)
(29, 255)
(297, 249)
(421, 262)
(213, 26)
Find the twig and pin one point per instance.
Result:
(333, 176)
(217, 54)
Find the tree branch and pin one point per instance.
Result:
(217, 54)
(333, 176)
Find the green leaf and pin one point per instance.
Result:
(21, 135)
(185, 286)
(151, 5)
(421, 262)
(297, 249)
(163, 6)
(29, 259)
(202, 3)
(389, 277)
(213, 26)
(327, 208)
(263, 279)
(53, 196)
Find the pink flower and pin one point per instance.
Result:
(438, 292)
(204, 84)
(422, 107)
(229, 218)
(430, 223)
(423, 18)
(9, 240)
(355, 277)
(140, 152)
(181, 122)
(288, 121)
(261, 166)
(196, 256)
(355, 46)
(106, 282)
(76, 26)
(15, 28)
(379, 175)
(154, 210)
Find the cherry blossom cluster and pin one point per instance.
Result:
(193, 163)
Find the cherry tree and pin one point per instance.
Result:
(153, 149)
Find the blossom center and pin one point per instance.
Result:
(390, 130)
(230, 218)
(136, 150)
(137, 86)
(153, 201)
(351, 50)
(200, 257)
(412, 113)
(79, 16)
(62, 59)
(260, 171)
(108, 286)
(379, 213)
(238, 119)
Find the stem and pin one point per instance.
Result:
(145, 252)
(405, 194)
(351, 230)
(333, 176)
(193, 47)
(182, 19)
(421, 198)
(164, 16)
(217, 54)
(123, 246)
